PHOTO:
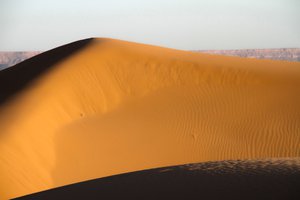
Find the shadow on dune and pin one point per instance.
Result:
(256, 179)
(16, 78)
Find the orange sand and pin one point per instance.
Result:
(116, 107)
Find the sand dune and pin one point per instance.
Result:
(101, 107)
(233, 179)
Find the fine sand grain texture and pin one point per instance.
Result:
(101, 107)
(234, 179)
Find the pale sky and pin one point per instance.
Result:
(181, 24)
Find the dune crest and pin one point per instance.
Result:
(112, 107)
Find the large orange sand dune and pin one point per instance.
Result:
(101, 107)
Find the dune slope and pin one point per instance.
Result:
(275, 179)
(101, 107)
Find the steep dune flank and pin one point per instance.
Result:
(101, 107)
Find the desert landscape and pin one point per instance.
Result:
(132, 120)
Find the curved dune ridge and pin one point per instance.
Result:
(100, 107)
(233, 179)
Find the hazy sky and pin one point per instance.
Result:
(181, 24)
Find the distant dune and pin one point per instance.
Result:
(101, 107)
(289, 54)
(8, 59)
(249, 179)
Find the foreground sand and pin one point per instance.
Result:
(101, 107)
(249, 179)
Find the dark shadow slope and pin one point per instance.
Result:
(264, 179)
(16, 78)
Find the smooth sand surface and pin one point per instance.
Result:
(277, 179)
(101, 107)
